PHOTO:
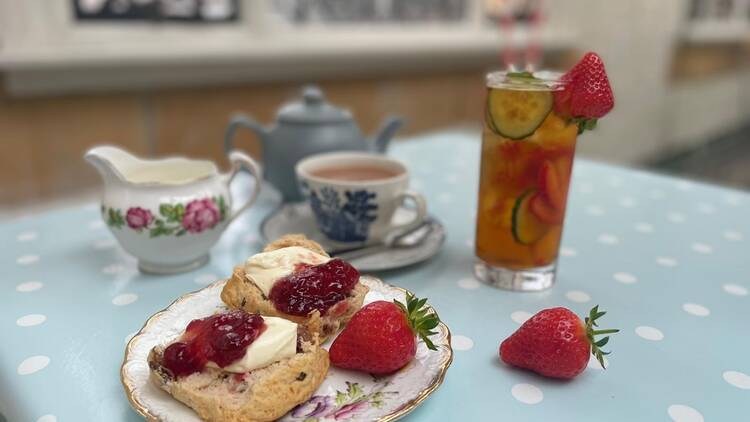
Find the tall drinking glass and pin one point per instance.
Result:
(527, 158)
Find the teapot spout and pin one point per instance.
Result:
(240, 120)
(386, 132)
(111, 162)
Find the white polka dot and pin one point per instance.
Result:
(706, 208)
(649, 333)
(469, 243)
(462, 343)
(627, 202)
(130, 336)
(30, 320)
(468, 283)
(594, 364)
(608, 239)
(519, 317)
(666, 261)
(96, 224)
(29, 286)
(527, 393)
(643, 227)
(445, 197)
(451, 179)
(103, 244)
(27, 236)
(124, 299)
(735, 289)
(47, 418)
(113, 269)
(695, 309)
(682, 413)
(205, 279)
(684, 186)
(568, 251)
(595, 210)
(578, 296)
(702, 248)
(656, 194)
(737, 379)
(676, 217)
(625, 278)
(732, 200)
(32, 364)
(733, 235)
(586, 188)
(27, 259)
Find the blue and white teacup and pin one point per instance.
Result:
(351, 207)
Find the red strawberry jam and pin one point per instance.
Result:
(312, 287)
(221, 338)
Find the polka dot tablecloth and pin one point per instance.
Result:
(667, 259)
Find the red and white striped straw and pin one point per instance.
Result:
(507, 22)
(533, 47)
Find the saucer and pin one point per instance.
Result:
(298, 218)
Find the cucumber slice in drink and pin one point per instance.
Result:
(517, 113)
(526, 227)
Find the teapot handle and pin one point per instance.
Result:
(242, 161)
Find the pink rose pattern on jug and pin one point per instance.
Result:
(173, 220)
(200, 214)
(138, 218)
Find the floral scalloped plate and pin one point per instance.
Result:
(343, 396)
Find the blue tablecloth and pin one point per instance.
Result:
(667, 258)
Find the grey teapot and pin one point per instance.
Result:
(306, 127)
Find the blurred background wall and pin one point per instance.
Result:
(163, 76)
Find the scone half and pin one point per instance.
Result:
(264, 394)
(242, 292)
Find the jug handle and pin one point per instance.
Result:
(241, 161)
(240, 120)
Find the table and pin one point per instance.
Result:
(667, 258)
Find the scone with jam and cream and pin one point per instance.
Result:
(236, 366)
(294, 278)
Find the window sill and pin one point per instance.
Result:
(99, 66)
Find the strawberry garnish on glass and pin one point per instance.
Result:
(381, 338)
(586, 95)
(556, 343)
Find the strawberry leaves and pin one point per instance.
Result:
(591, 333)
(422, 320)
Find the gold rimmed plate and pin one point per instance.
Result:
(343, 395)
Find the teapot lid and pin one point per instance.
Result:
(313, 108)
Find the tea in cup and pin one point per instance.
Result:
(354, 196)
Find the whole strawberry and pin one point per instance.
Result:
(555, 343)
(587, 95)
(381, 337)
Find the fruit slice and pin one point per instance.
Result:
(545, 212)
(526, 227)
(551, 185)
(515, 113)
(488, 117)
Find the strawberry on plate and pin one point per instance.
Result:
(381, 337)
(587, 95)
(556, 343)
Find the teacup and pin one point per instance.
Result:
(354, 196)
